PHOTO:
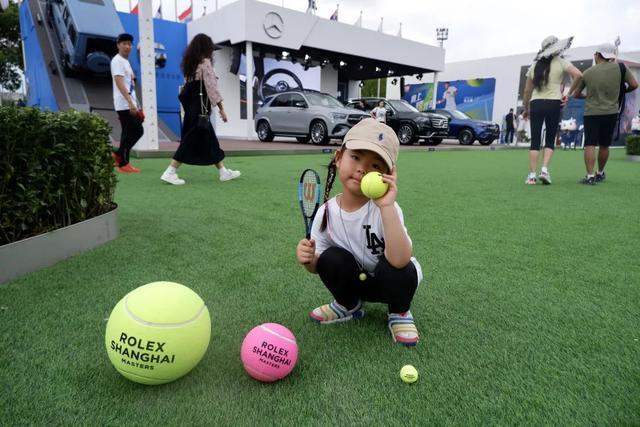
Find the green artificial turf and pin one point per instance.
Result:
(529, 312)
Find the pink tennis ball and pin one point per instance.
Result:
(269, 352)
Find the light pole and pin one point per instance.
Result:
(442, 35)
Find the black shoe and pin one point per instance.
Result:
(601, 177)
(588, 180)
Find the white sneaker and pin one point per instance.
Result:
(545, 178)
(172, 178)
(229, 174)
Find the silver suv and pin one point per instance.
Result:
(306, 115)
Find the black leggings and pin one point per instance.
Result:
(131, 132)
(545, 111)
(393, 286)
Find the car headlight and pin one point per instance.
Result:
(423, 121)
(338, 116)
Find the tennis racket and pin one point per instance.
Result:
(309, 196)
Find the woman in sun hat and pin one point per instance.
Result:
(543, 101)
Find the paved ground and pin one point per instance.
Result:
(291, 146)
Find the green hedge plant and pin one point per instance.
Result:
(55, 170)
(633, 145)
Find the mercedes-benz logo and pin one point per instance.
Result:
(273, 25)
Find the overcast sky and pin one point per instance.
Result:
(477, 29)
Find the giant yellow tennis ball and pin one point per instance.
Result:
(408, 374)
(158, 333)
(373, 186)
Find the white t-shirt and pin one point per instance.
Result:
(121, 67)
(635, 123)
(364, 233)
(380, 113)
(450, 98)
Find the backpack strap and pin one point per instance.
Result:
(621, 94)
(623, 71)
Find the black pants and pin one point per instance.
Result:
(131, 132)
(393, 286)
(545, 111)
(598, 130)
(508, 136)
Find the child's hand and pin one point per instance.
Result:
(390, 196)
(305, 251)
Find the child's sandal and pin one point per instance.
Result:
(403, 328)
(334, 312)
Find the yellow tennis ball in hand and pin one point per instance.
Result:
(373, 186)
(408, 374)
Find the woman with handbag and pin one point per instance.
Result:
(199, 144)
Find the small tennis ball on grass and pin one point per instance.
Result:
(158, 332)
(269, 352)
(408, 374)
(373, 186)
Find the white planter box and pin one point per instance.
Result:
(31, 254)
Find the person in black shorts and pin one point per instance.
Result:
(604, 82)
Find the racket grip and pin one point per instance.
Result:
(308, 236)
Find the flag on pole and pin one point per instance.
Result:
(187, 15)
(400, 30)
(135, 9)
(358, 23)
(334, 16)
(158, 14)
(380, 26)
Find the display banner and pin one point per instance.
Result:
(278, 76)
(474, 97)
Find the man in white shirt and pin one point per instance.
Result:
(449, 97)
(125, 104)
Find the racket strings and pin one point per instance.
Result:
(310, 193)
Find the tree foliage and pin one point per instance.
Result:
(10, 48)
(371, 88)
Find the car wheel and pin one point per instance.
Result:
(319, 134)
(466, 137)
(303, 139)
(264, 132)
(406, 134)
(487, 142)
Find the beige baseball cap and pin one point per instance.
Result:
(374, 136)
(607, 50)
